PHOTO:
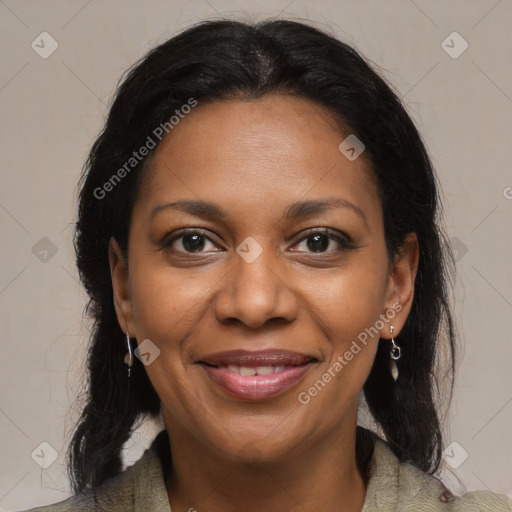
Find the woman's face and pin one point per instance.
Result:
(254, 309)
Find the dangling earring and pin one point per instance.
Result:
(128, 358)
(395, 355)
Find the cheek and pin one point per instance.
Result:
(348, 308)
(166, 307)
(166, 301)
(349, 302)
(346, 313)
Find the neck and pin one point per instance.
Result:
(323, 478)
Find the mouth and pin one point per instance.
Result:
(250, 375)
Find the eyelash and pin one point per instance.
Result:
(345, 242)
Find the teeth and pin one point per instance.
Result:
(245, 371)
(264, 370)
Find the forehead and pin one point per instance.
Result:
(269, 151)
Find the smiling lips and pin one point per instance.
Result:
(256, 375)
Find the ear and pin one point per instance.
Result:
(121, 288)
(400, 286)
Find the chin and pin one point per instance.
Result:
(267, 445)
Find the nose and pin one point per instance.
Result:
(255, 293)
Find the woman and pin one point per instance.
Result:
(259, 234)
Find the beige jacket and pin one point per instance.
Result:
(392, 487)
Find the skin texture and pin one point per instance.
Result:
(253, 159)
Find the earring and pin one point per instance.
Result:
(128, 358)
(394, 353)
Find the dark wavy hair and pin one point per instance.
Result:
(223, 59)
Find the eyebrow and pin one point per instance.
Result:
(294, 211)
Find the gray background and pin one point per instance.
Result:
(52, 108)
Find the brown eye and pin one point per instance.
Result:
(193, 242)
(189, 242)
(319, 241)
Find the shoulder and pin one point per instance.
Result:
(420, 491)
(140, 486)
(82, 502)
(395, 485)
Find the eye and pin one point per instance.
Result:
(320, 240)
(189, 241)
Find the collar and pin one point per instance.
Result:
(391, 484)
